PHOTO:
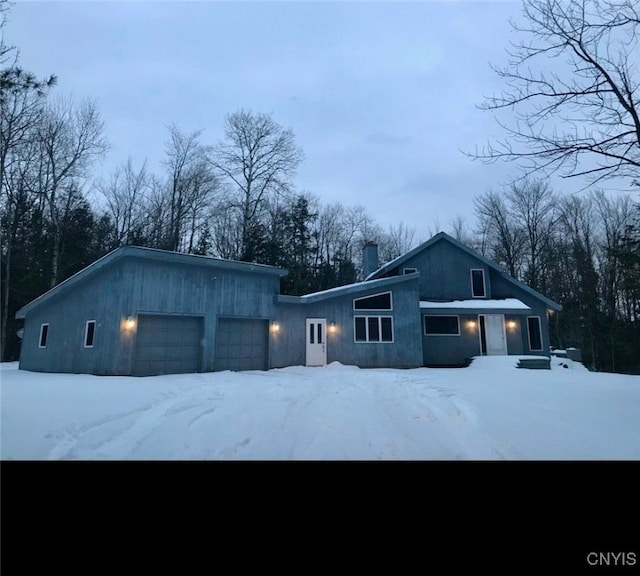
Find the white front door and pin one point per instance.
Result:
(316, 342)
(495, 335)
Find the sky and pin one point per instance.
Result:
(381, 96)
(488, 411)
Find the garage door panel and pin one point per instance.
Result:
(241, 344)
(167, 345)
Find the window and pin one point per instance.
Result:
(409, 270)
(442, 325)
(477, 283)
(373, 328)
(535, 333)
(44, 332)
(375, 302)
(89, 333)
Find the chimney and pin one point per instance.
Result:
(369, 258)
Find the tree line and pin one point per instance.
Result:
(236, 199)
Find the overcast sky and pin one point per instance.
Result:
(381, 96)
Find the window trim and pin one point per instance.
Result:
(424, 323)
(366, 327)
(46, 338)
(484, 282)
(409, 270)
(86, 333)
(539, 331)
(390, 309)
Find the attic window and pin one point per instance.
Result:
(44, 332)
(376, 302)
(89, 333)
(477, 283)
(409, 270)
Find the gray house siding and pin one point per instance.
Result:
(288, 345)
(445, 272)
(132, 287)
(503, 288)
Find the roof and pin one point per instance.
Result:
(147, 254)
(443, 236)
(346, 290)
(477, 304)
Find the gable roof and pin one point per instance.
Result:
(442, 236)
(147, 254)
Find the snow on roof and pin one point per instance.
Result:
(505, 304)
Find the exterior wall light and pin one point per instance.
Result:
(130, 323)
(471, 324)
(512, 324)
(332, 327)
(275, 327)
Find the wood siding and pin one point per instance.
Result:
(132, 286)
(288, 344)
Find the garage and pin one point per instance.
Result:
(241, 344)
(167, 345)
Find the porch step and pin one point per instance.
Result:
(540, 363)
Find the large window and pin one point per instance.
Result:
(375, 302)
(373, 328)
(44, 333)
(535, 333)
(89, 333)
(477, 283)
(442, 325)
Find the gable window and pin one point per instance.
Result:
(477, 283)
(89, 333)
(409, 270)
(535, 333)
(373, 328)
(375, 302)
(442, 325)
(44, 332)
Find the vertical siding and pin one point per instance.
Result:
(445, 272)
(133, 286)
(288, 345)
(504, 289)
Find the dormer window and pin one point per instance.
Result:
(477, 283)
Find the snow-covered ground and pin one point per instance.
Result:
(489, 411)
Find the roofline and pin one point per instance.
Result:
(149, 254)
(444, 236)
(345, 290)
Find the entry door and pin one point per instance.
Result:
(316, 341)
(495, 336)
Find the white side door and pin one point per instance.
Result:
(316, 335)
(495, 335)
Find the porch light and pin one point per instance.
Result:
(332, 327)
(511, 324)
(471, 324)
(130, 323)
(275, 327)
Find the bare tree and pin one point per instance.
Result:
(398, 240)
(126, 195)
(191, 184)
(582, 117)
(533, 205)
(503, 238)
(257, 159)
(70, 138)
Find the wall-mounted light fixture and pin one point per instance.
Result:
(471, 324)
(512, 324)
(275, 327)
(130, 323)
(332, 326)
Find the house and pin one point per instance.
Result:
(140, 311)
